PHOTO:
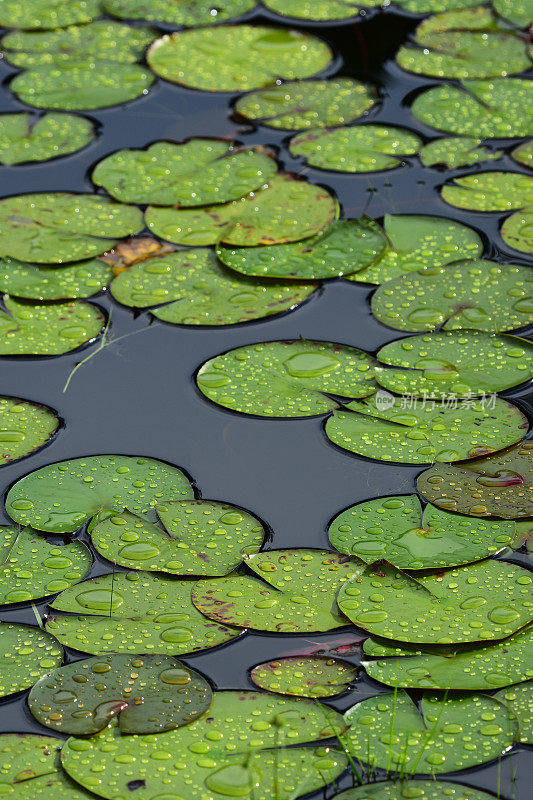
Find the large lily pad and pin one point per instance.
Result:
(287, 210)
(480, 295)
(45, 14)
(132, 612)
(500, 485)
(237, 57)
(191, 13)
(34, 282)
(421, 790)
(296, 593)
(24, 137)
(303, 676)
(61, 497)
(360, 148)
(24, 427)
(517, 231)
(420, 241)
(308, 104)
(388, 428)
(194, 537)
(519, 701)
(444, 734)
(54, 228)
(456, 151)
(286, 379)
(395, 529)
(489, 191)
(317, 10)
(345, 247)
(26, 653)
(148, 694)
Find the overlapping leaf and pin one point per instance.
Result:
(24, 427)
(46, 14)
(489, 191)
(305, 676)
(422, 790)
(519, 701)
(191, 13)
(35, 282)
(456, 151)
(24, 137)
(317, 10)
(26, 653)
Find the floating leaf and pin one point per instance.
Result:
(34, 282)
(394, 529)
(133, 250)
(517, 231)
(447, 734)
(500, 485)
(360, 148)
(433, 6)
(346, 246)
(43, 14)
(317, 10)
(24, 427)
(456, 151)
(421, 790)
(191, 13)
(519, 701)
(519, 12)
(237, 57)
(308, 104)
(480, 295)
(24, 137)
(420, 241)
(195, 537)
(305, 676)
(132, 612)
(53, 228)
(287, 210)
(405, 431)
(296, 595)
(286, 379)
(148, 694)
(524, 153)
(489, 191)
(26, 653)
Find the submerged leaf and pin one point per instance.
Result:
(24, 427)
(26, 653)
(24, 137)
(456, 151)
(422, 790)
(189, 13)
(489, 191)
(305, 676)
(519, 701)
(35, 282)
(45, 14)
(318, 10)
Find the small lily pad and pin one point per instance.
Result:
(500, 485)
(296, 593)
(286, 379)
(523, 154)
(305, 676)
(480, 295)
(190, 14)
(421, 790)
(45, 14)
(26, 653)
(395, 529)
(517, 231)
(148, 694)
(24, 137)
(308, 104)
(237, 57)
(360, 148)
(34, 282)
(519, 701)
(24, 428)
(132, 612)
(317, 10)
(456, 151)
(61, 497)
(489, 191)
(519, 12)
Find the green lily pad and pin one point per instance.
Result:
(132, 612)
(286, 379)
(500, 485)
(346, 246)
(317, 10)
(26, 653)
(148, 694)
(360, 148)
(489, 191)
(519, 701)
(286, 210)
(519, 12)
(455, 364)
(61, 497)
(433, 6)
(308, 104)
(31, 567)
(296, 595)
(420, 241)
(197, 172)
(395, 529)
(194, 537)
(34, 282)
(480, 295)
(235, 58)
(421, 790)
(464, 43)
(496, 108)
(523, 154)
(45, 14)
(443, 734)
(47, 330)
(305, 676)
(472, 669)
(54, 228)
(190, 14)
(24, 137)
(389, 428)
(517, 231)
(24, 427)
(456, 151)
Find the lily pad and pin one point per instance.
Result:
(24, 137)
(54, 228)
(422, 790)
(500, 485)
(523, 154)
(489, 191)
(360, 148)
(317, 10)
(517, 231)
(190, 14)
(237, 57)
(286, 379)
(24, 427)
(296, 593)
(345, 247)
(286, 210)
(443, 734)
(36, 329)
(395, 529)
(34, 282)
(488, 109)
(480, 295)
(420, 241)
(193, 537)
(26, 653)
(433, 6)
(519, 701)
(132, 612)
(45, 14)
(305, 676)
(148, 694)
(519, 12)
(388, 428)
(456, 151)
(31, 567)
(197, 172)
(308, 104)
